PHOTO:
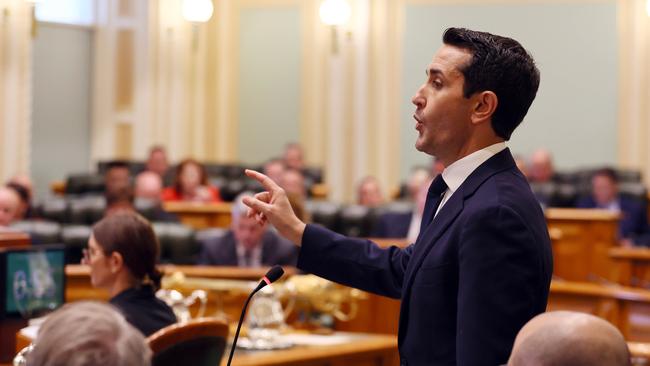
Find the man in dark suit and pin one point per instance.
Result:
(481, 265)
(247, 244)
(605, 195)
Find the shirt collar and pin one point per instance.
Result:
(455, 174)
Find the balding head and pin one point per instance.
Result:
(9, 206)
(569, 338)
(148, 185)
(541, 166)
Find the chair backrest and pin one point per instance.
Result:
(197, 342)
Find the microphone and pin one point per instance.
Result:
(271, 276)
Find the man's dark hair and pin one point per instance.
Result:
(607, 172)
(503, 66)
(117, 164)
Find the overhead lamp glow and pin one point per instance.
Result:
(197, 10)
(335, 12)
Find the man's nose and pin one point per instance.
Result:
(418, 100)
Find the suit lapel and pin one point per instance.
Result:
(441, 222)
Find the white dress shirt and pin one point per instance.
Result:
(455, 174)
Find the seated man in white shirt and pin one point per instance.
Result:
(247, 244)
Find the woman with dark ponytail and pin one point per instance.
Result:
(122, 254)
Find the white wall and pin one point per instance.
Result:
(61, 110)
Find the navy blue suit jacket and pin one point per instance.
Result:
(634, 218)
(477, 273)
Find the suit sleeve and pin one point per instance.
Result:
(353, 262)
(500, 281)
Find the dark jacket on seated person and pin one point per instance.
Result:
(222, 250)
(393, 225)
(143, 309)
(634, 220)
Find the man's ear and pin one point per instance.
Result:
(116, 262)
(485, 104)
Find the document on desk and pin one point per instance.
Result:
(317, 339)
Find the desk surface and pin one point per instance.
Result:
(361, 349)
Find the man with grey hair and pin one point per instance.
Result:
(88, 333)
(247, 244)
(569, 338)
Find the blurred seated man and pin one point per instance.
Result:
(419, 175)
(293, 182)
(22, 184)
(117, 175)
(569, 338)
(88, 334)
(247, 244)
(274, 169)
(541, 166)
(294, 156)
(9, 206)
(369, 192)
(157, 161)
(119, 200)
(148, 194)
(404, 225)
(605, 195)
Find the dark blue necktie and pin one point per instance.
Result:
(434, 198)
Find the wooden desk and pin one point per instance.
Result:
(625, 307)
(581, 250)
(634, 264)
(363, 350)
(201, 216)
(14, 239)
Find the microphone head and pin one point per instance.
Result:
(274, 273)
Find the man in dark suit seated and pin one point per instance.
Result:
(633, 227)
(406, 224)
(247, 244)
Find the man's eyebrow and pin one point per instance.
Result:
(434, 71)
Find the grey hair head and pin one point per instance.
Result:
(239, 208)
(88, 333)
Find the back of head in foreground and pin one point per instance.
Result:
(569, 338)
(88, 333)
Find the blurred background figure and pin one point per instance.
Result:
(541, 166)
(157, 161)
(88, 333)
(191, 184)
(520, 161)
(406, 224)
(119, 200)
(148, 197)
(274, 169)
(369, 192)
(419, 175)
(293, 156)
(117, 175)
(569, 338)
(247, 244)
(122, 254)
(633, 225)
(293, 182)
(22, 184)
(9, 206)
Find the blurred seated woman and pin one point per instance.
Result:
(191, 184)
(122, 254)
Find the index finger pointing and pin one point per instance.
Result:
(267, 182)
